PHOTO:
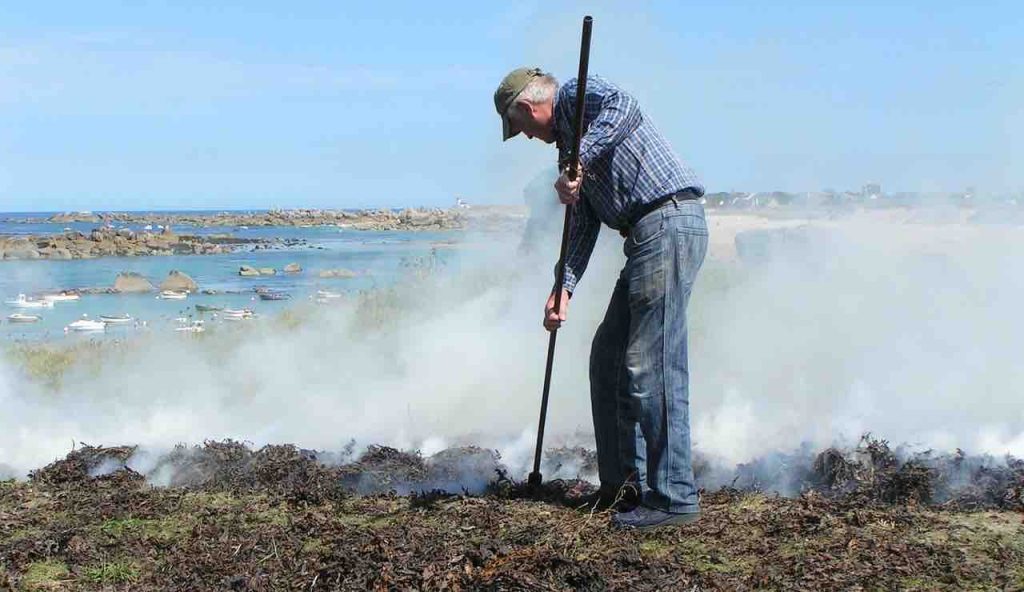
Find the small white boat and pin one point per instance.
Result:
(148, 227)
(172, 295)
(237, 314)
(116, 319)
(23, 318)
(326, 297)
(61, 297)
(195, 327)
(86, 325)
(22, 302)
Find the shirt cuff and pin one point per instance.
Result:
(569, 282)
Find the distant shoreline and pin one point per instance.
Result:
(407, 219)
(110, 235)
(457, 218)
(108, 242)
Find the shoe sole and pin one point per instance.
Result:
(676, 520)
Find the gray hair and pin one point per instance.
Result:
(539, 90)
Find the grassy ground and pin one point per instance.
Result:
(116, 533)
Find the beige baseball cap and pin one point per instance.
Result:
(508, 90)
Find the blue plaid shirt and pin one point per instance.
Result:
(626, 164)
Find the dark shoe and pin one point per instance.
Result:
(622, 500)
(641, 518)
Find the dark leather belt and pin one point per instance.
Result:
(687, 194)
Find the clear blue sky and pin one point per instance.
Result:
(182, 104)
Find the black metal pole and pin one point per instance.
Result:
(536, 478)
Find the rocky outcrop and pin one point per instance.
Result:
(267, 271)
(21, 254)
(293, 268)
(337, 273)
(55, 253)
(20, 248)
(179, 282)
(106, 241)
(477, 218)
(248, 271)
(383, 219)
(69, 217)
(130, 282)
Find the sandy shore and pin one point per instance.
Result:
(919, 230)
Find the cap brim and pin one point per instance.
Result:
(506, 128)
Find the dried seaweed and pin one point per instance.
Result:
(284, 518)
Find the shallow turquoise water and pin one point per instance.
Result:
(377, 256)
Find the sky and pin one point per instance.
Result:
(215, 105)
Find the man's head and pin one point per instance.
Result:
(525, 101)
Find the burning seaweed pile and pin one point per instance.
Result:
(871, 472)
(226, 516)
(281, 471)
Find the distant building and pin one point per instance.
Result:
(717, 200)
(871, 191)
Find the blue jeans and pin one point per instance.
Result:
(639, 381)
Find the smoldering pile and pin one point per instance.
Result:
(871, 472)
(281, 471)
(875, 472)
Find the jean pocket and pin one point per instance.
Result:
(643, 234)
(691, 225)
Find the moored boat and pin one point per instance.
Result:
(274, 295)
(61, 297)
(194, 327)
(172, 295)
(208, 308)
(23, 318)
(237, 314)
(23, 302)
(116, 319)
(86, 325)
(327, 297)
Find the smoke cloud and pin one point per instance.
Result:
(803, 333)
(874, 323)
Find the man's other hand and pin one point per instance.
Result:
(553, 321)
(568, 191)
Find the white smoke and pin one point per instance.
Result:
(458, 359)
(872, 323)
(875, 323)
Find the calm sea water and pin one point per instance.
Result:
(379, 257)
